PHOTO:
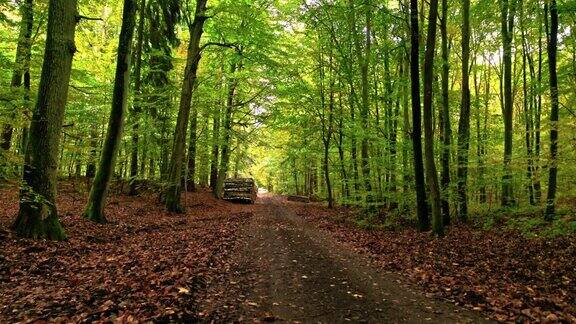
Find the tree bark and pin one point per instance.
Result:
(227, 129)
(137, 108)
(464, 122)
(552, 57)
(432, 175)
(174, 189)
(444, 119)
(97, 199)
(422, 208)
(37, 216)
(507, 32)
(191, 183)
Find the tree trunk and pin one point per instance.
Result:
(553, 169)
(432, 175)
(22, 68)
(137, 108)
(444, 119)
(507, 32)
(215, 149)
(191, 184)
(422, 208)
(464, 122)
(528, 111)
(97, 199)
(227, 136)
(364, 113)
(38, 217)
(174, 189)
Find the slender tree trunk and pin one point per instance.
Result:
(422, 208)
(227, 136)
(97, 199)
(552, 56)
(464, 122)
(22, 69)
(344, 173)
(528, 111)
(507, 32)
(482, 159)
(364, 113)
(137, 110)
(37, 216)
(174, 189)
(432, 175)
(215, 150)
(537, 121)
(444, 119)
(191, 184)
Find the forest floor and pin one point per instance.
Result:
(275, 260)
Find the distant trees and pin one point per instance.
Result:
(21, 72)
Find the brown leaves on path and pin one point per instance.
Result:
(146, 264)
(506, 275)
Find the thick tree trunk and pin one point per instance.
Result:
(97, 199)
(464, 122)
(174, 189)
(552, 56)
(137, 91)
(38, 217)
(22, 69)
(422, 208)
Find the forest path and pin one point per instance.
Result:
(288, 270)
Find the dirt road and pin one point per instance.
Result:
(286, 270)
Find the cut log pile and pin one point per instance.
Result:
(240, 189)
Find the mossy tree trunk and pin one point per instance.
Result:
(37, 216)
(97, 199)
(174, 189)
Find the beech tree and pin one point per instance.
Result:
(174, 187)
(552, 57)
(38, 216)
(96, 201)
